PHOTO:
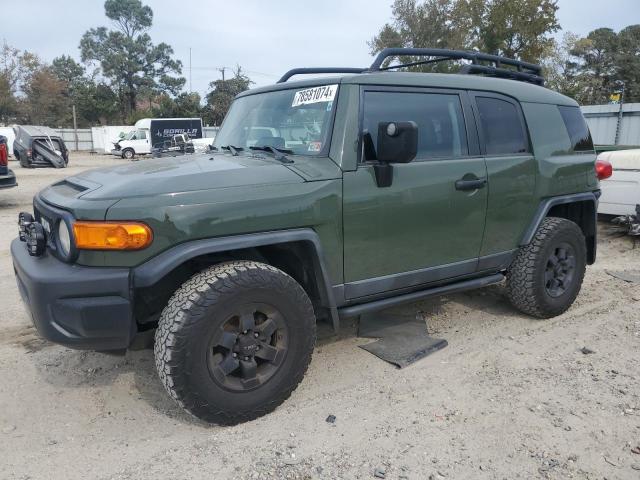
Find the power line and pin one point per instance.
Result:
(253, 72)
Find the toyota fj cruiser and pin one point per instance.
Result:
(363, 191)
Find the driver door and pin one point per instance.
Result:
(424, 228)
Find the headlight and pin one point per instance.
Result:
(64, 238)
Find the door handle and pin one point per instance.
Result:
(471, 184)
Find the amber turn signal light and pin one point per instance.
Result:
(112, 235)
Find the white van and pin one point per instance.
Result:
(621, 191)
(151, 133)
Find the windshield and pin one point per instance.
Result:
(297, 120)
(136, 135)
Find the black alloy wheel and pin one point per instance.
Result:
(249, 347)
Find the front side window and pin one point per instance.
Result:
(441, 127)
(502, 127)
(577, 129)
(298, 120)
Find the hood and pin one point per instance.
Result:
(181, 174)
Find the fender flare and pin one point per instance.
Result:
(548, 203)
(157, 267)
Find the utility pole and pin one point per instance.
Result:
(222, 71)
(75, 125)
(620, 114)
(190, 84)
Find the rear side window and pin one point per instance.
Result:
(502, 127)
(577, 129)
(441, 128)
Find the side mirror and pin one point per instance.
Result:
(397, 143)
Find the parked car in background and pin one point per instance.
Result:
(178, 145)
(620, 192)
(151, 133)
(36, 146)
(7, 177)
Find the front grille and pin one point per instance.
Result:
(48, 223)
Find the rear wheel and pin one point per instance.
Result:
(546, 276)
(128, 153)
(234, 341)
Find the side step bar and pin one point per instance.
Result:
(355, 310)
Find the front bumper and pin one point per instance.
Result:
(87, 308)
(116, 151)
(8, 180)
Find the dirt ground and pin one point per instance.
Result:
(510, 397)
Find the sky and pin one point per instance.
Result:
(265, 37)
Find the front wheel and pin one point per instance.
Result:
(234, 341)
(128, 154)
(546, 275)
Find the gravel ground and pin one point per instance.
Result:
(510, 397)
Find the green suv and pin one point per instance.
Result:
(321, 199)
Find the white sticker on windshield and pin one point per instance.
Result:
(325, 93)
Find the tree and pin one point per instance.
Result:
(68, 70)
(518, 29)
(628, 61)
(185, 105)
(222, 94)
(128, 57)
(595, 64)
(431, 24)
(44, 102)
(9, 60)
(600, 63)
(95, 101)
(512, 28)
(8, 101)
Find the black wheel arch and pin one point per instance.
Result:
(580, 208)
(296, 252)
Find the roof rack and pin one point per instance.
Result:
(525, 72)
(312, 70)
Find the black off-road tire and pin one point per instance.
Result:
(195, 314)
(527, 287)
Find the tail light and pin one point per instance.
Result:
(603, 169)
(29, 152)
(4, 156)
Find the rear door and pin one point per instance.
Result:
(422, 228)
(512, 171)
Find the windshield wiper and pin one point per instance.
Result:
(278, 153)
(234, 150)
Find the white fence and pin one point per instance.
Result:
(80, 139)
(95, 139)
